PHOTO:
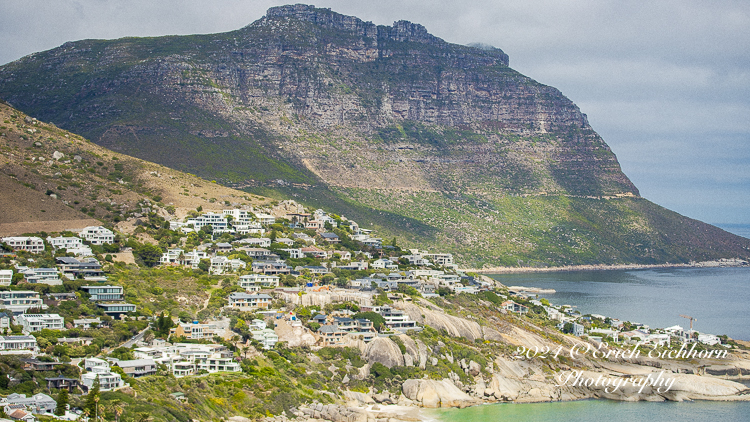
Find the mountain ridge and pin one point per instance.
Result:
(405, 129)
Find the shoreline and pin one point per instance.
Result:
(722, 263)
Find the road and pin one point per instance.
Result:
(128, 344)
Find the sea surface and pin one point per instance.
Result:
(718, 297)
(599, 411)
(738, 229)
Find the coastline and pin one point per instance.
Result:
(721, 263)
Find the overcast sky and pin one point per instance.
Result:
(666, 83)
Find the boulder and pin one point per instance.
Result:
(474, 368)
(433, 394)
(355, 396)
(384, 351)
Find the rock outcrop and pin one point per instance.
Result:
(384, 351)
(432, 393)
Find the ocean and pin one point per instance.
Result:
(717, 297)
(738, 229)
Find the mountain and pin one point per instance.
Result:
(52, 180)
(442, 145)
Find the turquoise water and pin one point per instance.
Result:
(599, 411)
(718, 297)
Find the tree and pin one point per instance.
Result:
(149, 254)
(163, 325)
(204, 264)
(92, 398)
(377, 320)
(62, 402)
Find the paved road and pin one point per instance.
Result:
(128, 344)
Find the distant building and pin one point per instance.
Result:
(87, 323)
(218, 222)
(25, 243)
(98, 235)
(104, 293)
(18, 344)
(48, 276)
(116, 309)
(244, 301)
(19, 301)
(32, 323)
(6, 277)
(256, 282)
(73, 268)
(138, 367)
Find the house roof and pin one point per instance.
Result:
(328, 329)
(135, 362)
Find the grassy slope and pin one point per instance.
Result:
(103, 185)
(532, 231)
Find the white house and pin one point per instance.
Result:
(6, 276)
(68, 242)
(266, 336)
(244, 301)
(265, 219)
(18, 345)
(19, 301)
(31, 323)
(49, 276)
(709, 339)
(383, 264)
(177, 256)
(98, 235)
(86, 323)
(442, 259)
(255, 282)
(25, 243)
(107, 380)
(222, 264)
(239, 217)
(217, 222)
(260, 242)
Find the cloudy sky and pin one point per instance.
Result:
(666, 83)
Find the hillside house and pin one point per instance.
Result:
(256, 282)
(19, 301)
(261, 242)
(104, 293)
(25, 243)
(18, 345)
(218, 222)
(48, 276)
(98, 235)
(138, 367)
(32, 323)
(247, 302)
(73, 268)
(6, 277)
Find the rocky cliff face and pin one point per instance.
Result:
(304, 80)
